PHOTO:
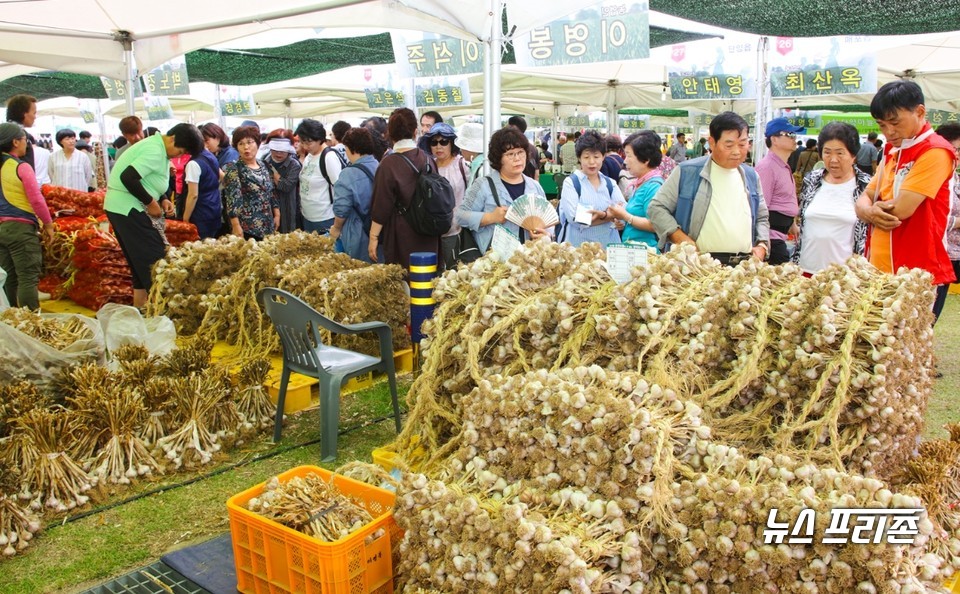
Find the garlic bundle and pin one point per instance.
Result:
(114, 413)
(253, 403)
(41, 445)
(17, 525)
(195, 398)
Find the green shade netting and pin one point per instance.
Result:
(262, 66)
(663, 113)
(819, 18)
(47, 85)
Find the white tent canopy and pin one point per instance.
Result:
(88, 36)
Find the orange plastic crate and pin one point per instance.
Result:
(272, 558)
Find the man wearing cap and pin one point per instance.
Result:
(779, 187)
(715, 201)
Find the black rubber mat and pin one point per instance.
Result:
(158, 578)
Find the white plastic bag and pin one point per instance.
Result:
(123, 325)
(4, 304)
(24, 357)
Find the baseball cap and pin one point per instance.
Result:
(778, 125)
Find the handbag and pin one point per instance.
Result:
(469, 249)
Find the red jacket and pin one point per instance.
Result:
(919, 240)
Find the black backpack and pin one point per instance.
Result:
(323, 167)
(431, 208)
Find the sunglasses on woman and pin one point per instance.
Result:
(440, 141)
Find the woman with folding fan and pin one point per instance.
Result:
(487, 201)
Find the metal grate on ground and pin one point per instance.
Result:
(158, 578)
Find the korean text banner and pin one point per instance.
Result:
(427, 55)
(801, 67)
(117, 89)
(607, 32)
(634, 122)
(236, 101)
(714, 69)
(158, 108)
(442, 92)
(168, 79)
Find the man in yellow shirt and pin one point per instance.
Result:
(715, 201)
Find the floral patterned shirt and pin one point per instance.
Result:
(250, 198)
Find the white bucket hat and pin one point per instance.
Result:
(470, 138)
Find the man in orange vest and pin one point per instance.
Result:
(908, 200)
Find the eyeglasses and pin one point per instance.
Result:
(517, 154)
(440, 141)
(788, 134)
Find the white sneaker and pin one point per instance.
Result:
(43, 296)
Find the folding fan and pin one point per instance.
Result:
(531, 211)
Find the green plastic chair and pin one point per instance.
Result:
(298, 325)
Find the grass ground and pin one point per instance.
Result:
(74, 556)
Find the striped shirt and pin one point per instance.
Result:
(593, 199)
(74, 172)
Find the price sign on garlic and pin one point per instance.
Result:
(504, 243)
(621, 259)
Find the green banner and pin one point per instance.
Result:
(702, 119)
(863, 122)
(168, 79)
(634, 122)
(442, 95)
(381, 98)
(937, 117)
(237, 108)
(838, 80)
(804, 121)
(577, 121)
(117, 89)
(539, 121)
(444, 56)
(719, 86)
(611, 32)
(158, 108)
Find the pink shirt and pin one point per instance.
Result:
(779, 189)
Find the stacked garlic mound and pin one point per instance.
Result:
(593, 481)
(561, 426)
(834, 368)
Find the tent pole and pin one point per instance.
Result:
(496, 43)
(763, 99)
(131, 74)
(487, 96)
(553, 131)
(612, 123)
(103, 141)
(218, 107)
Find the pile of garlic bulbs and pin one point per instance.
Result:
(834, 367)
(593, 481)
